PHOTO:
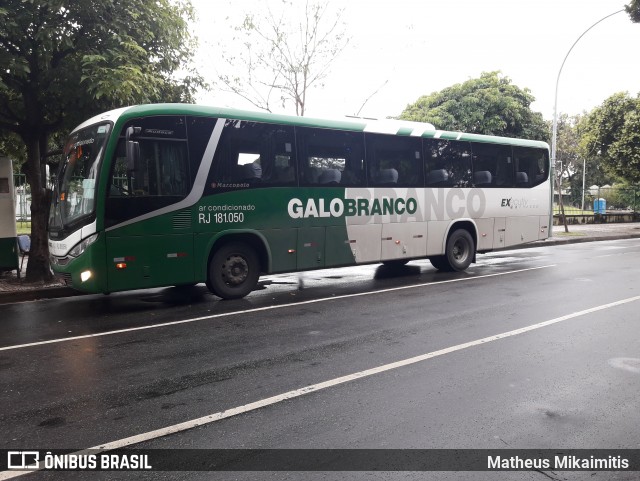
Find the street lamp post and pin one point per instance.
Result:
(554, 130)
(554, 134)
(584, 177)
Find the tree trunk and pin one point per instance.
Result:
(38, 268)
(561, 203)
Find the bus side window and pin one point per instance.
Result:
(492, 165)
(162, 176)
(252, 154)
(282, 165)
(330, 157)
(531, 166)
(448, 163)
(394, 161)
(164, 169)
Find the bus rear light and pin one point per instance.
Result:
(121, 265)
(291, 251)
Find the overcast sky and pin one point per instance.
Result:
(424, 46)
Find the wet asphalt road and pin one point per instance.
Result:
(182, 354)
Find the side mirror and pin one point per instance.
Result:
(133, 148)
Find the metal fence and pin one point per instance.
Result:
(22, 196)
(599, 204)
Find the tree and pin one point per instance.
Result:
(489, 105)
(633, 9)
(63, 61)
(587, 166)
(283, 55)
(568, 158)
(612, 131)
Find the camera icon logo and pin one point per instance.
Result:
(23, 459)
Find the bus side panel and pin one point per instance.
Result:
(404, 240)
(135, 262)
(485, 234)
(499, 231)
(310, 249)
(282, 244)
(522, 229)
(342, 248)
(364, 242)
(545, 228)
(437, 236)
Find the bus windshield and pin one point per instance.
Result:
(75, 189)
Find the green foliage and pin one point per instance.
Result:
(62, 62)
(11, 146)
(489, 105)
(633, 9)
(612, 131)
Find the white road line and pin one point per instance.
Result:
(211, 418)
(258, 309)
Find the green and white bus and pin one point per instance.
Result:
(171, 194)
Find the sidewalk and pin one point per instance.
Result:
(14, 290)
(588, 233)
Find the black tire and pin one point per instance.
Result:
(439, 262)
(234, 270)
(460, 250)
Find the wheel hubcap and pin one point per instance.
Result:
(459, 251)
(235, 270)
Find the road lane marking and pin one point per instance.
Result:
(228, 413)
(265, 308)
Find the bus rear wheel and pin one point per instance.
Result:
(458, 254)
(234, 270)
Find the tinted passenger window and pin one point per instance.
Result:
(252, 154)
(394, 161)
(163, 167)
(492, 165)
(330, 157)
(532, 166)
(448, 163)
(162, 175)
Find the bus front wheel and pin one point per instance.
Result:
(234, 270)
(458, 254)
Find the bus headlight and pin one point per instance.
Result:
(85, 276)
(80, 247)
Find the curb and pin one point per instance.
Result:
(554, 241)
(37, 294)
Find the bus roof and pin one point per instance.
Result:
(386, 126)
